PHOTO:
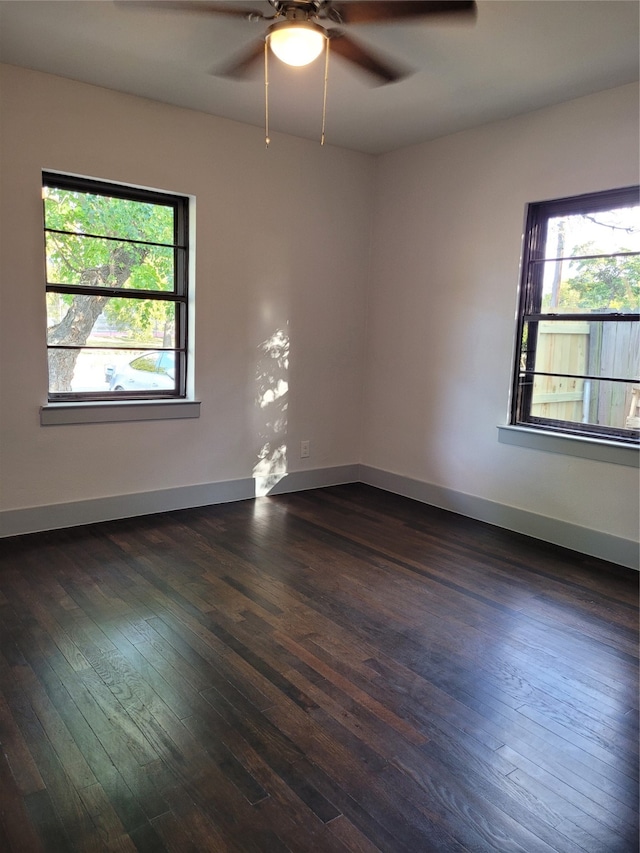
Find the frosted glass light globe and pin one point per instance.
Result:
(297, 43)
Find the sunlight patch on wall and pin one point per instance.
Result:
(272, 401)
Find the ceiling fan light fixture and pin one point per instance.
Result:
(297, 42)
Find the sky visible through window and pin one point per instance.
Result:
(579, 235)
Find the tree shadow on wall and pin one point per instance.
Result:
(272, 395)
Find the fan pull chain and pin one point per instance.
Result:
(267, 140)
(324, 97)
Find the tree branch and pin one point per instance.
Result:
(629, 230)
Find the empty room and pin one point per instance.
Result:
(319, 426)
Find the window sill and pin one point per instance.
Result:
(55, 414)
(588, 448)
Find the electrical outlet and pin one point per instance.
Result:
(304, 449)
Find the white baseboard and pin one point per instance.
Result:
(624, 552)
(615, 549)
(35, 519)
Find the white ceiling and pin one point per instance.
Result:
(520, 55)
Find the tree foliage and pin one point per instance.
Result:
(88, 243)
(600, 272)
(605, 284)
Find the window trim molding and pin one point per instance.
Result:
(586, 447)
(537, 215)
(117, 411)
(180, 296)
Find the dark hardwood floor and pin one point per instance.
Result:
(335, 670)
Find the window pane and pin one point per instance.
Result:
(581, 401)
(111, 371)
(592, 348)
(132, 242)
(604, 232)
(594, 285)
(88, 213)
(94, 262)
(103, 321)
(583, 259)
(154, 371)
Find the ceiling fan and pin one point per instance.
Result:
(296, 34)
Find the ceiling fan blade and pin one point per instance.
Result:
(242, 63)
(350, 50)
(200, 6)
(377, 11)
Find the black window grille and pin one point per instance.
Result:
(577, 365)
(117, 290)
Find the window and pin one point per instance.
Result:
(577, 368)
(116, 289)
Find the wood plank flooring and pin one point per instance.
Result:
(328, 671)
